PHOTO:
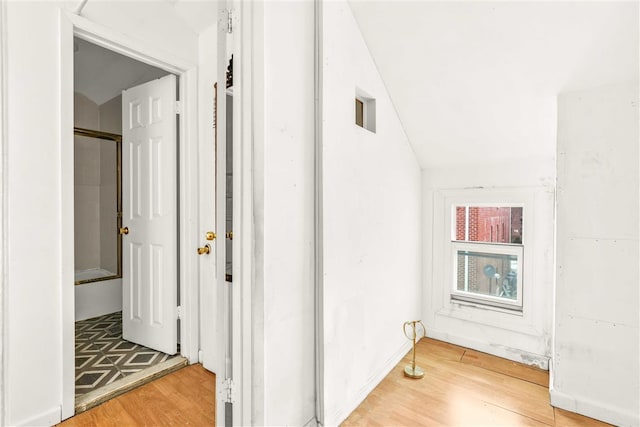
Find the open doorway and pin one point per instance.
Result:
(125, 223)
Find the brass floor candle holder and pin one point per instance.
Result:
(412, 371)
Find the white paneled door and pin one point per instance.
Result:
(149, 218)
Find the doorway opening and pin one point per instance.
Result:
(125, 224)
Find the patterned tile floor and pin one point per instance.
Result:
(102, 356)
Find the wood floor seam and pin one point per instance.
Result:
(524, 415)
(515, 377)
(463, 387)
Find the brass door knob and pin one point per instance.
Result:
(124, 230)
(204, 250)
(229, 235)
(210, 235)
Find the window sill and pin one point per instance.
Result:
(515, 310)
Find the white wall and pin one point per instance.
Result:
(97, 298)
(3, 226)
(371, 219)
(595, 368)
(34, 288)
(155, 23)
(284, 207)
(524, 337)
(111, 115)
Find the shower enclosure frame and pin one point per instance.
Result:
(117, 139)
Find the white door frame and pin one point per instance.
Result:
(72, 25)
(3, 203)
(244, 353)
(247, 310)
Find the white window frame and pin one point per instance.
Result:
(368, 110)
(494, 249)
(494, 330)
(484, 198)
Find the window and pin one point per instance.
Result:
(487, 254)
(365, 110)
(359, 113)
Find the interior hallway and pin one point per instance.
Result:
(461, 387)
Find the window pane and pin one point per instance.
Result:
(359, 113)
(488, 224)
(487, 274)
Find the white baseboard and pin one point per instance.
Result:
(342, 413)
(48, 418)
(313, 422)
(521, 356)
(592, 409)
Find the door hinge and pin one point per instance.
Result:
(178, 107)
(178, 312)
(229, 391)
(226, 20)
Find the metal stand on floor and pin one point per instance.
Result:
(412, 371)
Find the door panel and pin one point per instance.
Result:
(149, 194)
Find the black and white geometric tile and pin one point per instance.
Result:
(102, 356)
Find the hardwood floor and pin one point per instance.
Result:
(463, 387)
(185, 397)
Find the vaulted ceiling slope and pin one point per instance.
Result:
(476, 82)
(101, 74)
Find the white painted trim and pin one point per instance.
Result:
(525, 322)
(3, 213)
(67, 274)
(531, 359)
(342, 414)
(257, 199)
(241, 229)
(135, 49)
(318, 218)
(47, 418)
(243, 249)
(188, 207)
(221, 310)
(589, 408)
(313, 422)
(74, 25)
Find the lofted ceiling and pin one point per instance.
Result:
(471, 81)
(476, 82)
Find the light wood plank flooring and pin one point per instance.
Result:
(463, 387)
(185, 397)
